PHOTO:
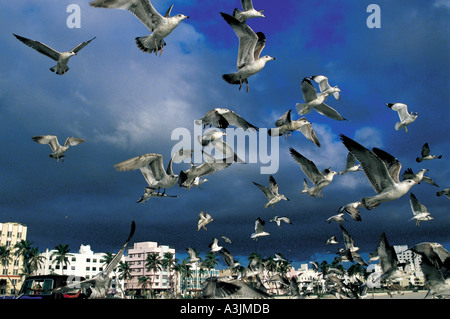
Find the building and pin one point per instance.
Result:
(194, 283)
(10, 234)
(160, 280)
(85, 263)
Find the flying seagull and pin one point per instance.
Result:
(150, 192)
(352, 210)
(214, 246)
(152, 167)
(389, 261)
(101, 281)
(445, 192)
(203, 220)
(284, 125)
(271, 192)
(248, 11)
(319, 179)
(251, 44)
(278, 220)
(259, 229)
(315, 101)
(350, 165)
(384, 181)
(214, 138)
(57, 150)
(338, 218)
(160, 26)
(193, 256)
(227, 287)
(62, 58)
(228, 258)
(419, 177)
(222, 118)
(228, 240)
(325, 87)
(419, 210)
(406, 117)
(332, 241)
(425, 154)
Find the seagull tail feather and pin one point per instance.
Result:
(145, 44)
(231, 78)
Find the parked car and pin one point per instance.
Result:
(41, 287)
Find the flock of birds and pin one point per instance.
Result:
(381, 169)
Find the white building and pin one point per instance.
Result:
(85, 263)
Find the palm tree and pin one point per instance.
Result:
(143, 281)
(33, 260)
(22, 248)
(186, 272)
(152, 263)
(5, 259)
(61, 255)
(124, 271)
(167, 263)
(210, 261)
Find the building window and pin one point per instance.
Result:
(88, 268)
(88, 260)
(19, 235)
(94, 261)
(9, 234)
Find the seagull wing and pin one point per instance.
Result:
(247, 40)
(322, 81)
(227, 257)
(237, 120)
(259, 225)
(348, 240)
(308, 131)
(402, 109)
(265, 190)
(40, 47)
(328, 111)
(81, 45)
(51, 140)
(351, 160)
(247, 5)
(138, 162)
(284, 119)
(425, 150)
(393, 165)
(373, 167)
(416, 206)
(273, 186)
(388, 257)
(73, 141)
(142, 9)
(308, 90)
(260, 44)
(308, 167)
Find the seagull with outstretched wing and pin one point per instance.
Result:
(247, 12)
(58, 151)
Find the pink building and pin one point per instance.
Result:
(159, 280)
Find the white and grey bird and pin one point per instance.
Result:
(193, 256)
(285, 125)
(152, 168)
(203, 220)
(213, 138)
(325, 87)
(248, 12)
(58, 151)
(278, 220)
(61, 58)
(227, 240)
(338, 218)
(259, 229)
(384, 177)
(151, 192)
(352, 210)
(406, 117)
(319, 179)
(348, 240)
(251, 44)
(425, 154)
(159, 26)
(101, 281)
(418, 177)
(228, 258)
(214, 246)
(222, 118)
(389, 261)
(271, 192)
(419, 210)
(445, 192)
(332, 241)
(314, 100)
(230, 288)
(350, 165)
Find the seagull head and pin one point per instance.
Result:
(261, 13)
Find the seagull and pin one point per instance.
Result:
(405, 116)
(209, 166)
(419, 177)
(325, 87)
(320, 179)
(425, 154)
(227, 287)
(278, 220)
(62, 58)
(348, 240)
(315, 101)
(284, 125)
(199, 181)
(278, 257)
(419, 210)
(389, 261)
(445, 192)
(193, 258)
(228, 258)
(160, 26)
(352, 210)
(57, 150)
(259, 229)
(338, 218)
(350, 165)
(101, 281)
(151, 192)
(384, 181)
(214, 246)
(435, 264)
(214, 138)
(331, 241)
(222, 118)
(203, 220)
(248, 11)
(271, 192)
(251, 44)
(228, 240)
(151, 166)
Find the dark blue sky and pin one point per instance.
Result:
(127, 103)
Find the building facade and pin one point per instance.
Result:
(159, 280)
(85, 263)
(10, 279)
